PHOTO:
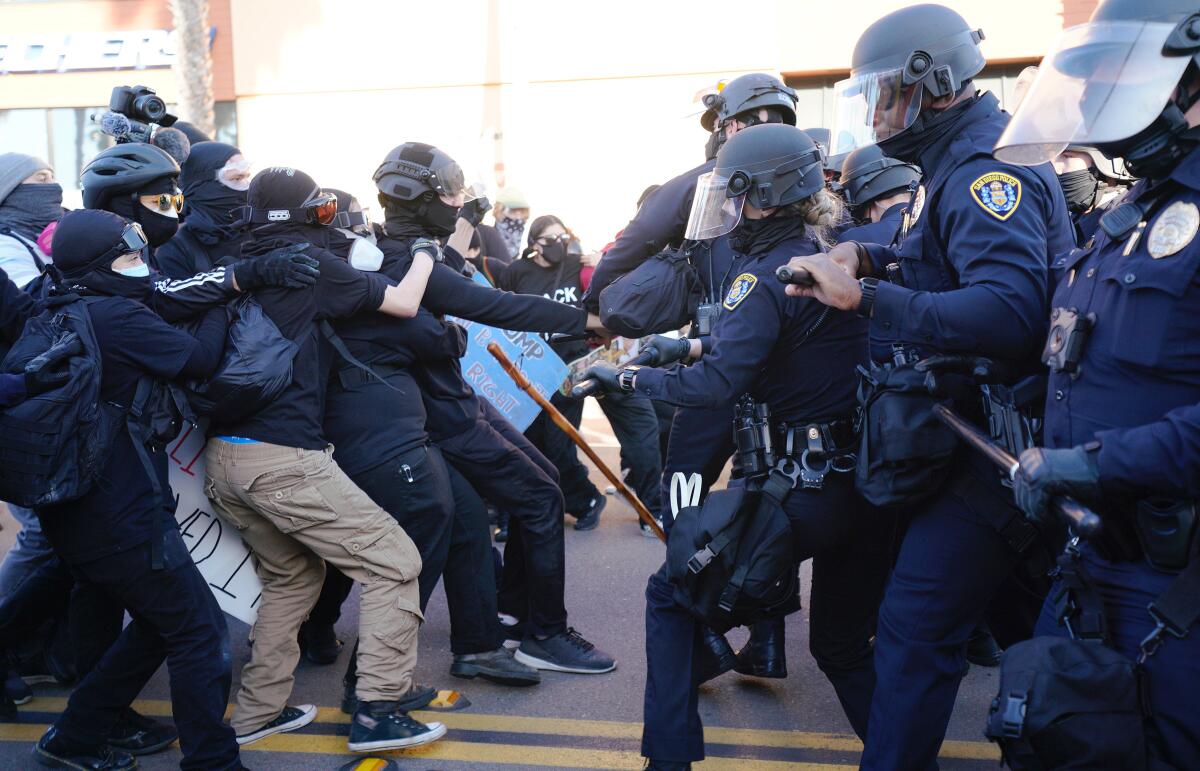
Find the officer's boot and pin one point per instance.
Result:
(714, 656)
(763, 654)
(982, 648)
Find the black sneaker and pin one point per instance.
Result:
(291, 719)
(52, 751)
(319, 643)
(15, 688)
(666, 765)
(565, 652)
(591, 518)
(140, 735)
(499, 666)
(418, 697)
(379, 725)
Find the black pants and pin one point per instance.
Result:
(503, 467)
(470, 577)
(700, 444)
(176, 619)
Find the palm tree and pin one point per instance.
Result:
(193, 63)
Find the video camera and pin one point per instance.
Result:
(134, 114)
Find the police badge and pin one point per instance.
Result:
(998, 193)
(1174, 229)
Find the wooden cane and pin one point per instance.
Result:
(560, 421)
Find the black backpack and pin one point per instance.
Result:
(660, 295)
(255, 368)
(54, 445)
(731, 560)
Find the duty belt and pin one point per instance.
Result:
(821, 447)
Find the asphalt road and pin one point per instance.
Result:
(569, 721)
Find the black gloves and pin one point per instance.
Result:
(428, 246)
(473, 211)
(667, 350)
(606, 375)
(1044, 474)
(288, 267)
(975, 368)
(50, 370)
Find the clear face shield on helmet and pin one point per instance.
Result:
(871, 107)
(1103, 82)
(714, 212)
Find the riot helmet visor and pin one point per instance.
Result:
(714, 211)
(1103, 82)
(870, 107)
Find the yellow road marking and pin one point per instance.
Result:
(601, 729)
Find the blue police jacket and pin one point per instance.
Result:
(796, 355)
(980, 238)
(882, 232)
(1137, 389)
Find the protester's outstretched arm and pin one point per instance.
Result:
(404, 299)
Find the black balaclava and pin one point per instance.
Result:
(556, 252)
(426, 216)
(30, 207)
(929, 127)
(756, 237)
(440, 218)
(1081, 188)
(159, 228)
(83, 255)
(208, 202)
(280, 187)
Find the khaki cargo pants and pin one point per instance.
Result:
(296, 510)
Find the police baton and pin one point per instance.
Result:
(588, 387)
(523, 383)
(797, 276)
(1082, 520)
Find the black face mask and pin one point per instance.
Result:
(106, 281)
(1080, 188)
(926, 130)
(1155, 151)
(159, 229)
(439, 218)
(755, 237)
(713, 145)
(555, 253)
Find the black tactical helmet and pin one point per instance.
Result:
(930, 47)
(121, 169)
(1113, 83)
(868, 174)
(767, 166)
(414, 169)
(752, 92)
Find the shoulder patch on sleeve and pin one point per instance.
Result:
(998, 193)
(739, 290)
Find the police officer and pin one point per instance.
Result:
(799, 359)
(973, 280)
(1090, 183)
(1122, 415)
(877, 189)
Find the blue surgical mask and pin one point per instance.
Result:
(137, 271)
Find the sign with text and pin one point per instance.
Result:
(216, 548)
(527, 350)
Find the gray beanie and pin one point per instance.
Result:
(15, 168)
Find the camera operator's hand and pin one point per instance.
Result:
(288, 266)
(1043, 474)
(473, 211)
(667, 350)
(976, 368)
(606, 375)
(51, 369)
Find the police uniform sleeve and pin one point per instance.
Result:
(1160, 458)
(12, 389)
(457, 295)
(746, 332)
(994, 220)
(661, 220)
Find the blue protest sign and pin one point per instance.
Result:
(527, 350)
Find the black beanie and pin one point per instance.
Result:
(82, 236)
(280, 187)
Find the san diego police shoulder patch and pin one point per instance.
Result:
(998, 193)
(739, 290)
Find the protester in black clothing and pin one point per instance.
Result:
(109, 535)
(549, 268)
(139, 182)
(214, 180)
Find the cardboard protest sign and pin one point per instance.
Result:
(216, 548)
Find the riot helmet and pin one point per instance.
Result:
(1113, 83)
(749, 93)
(767, 166)
(919, 50)
(868, 174)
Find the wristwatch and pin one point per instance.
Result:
(625, 377)
(866, 305)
